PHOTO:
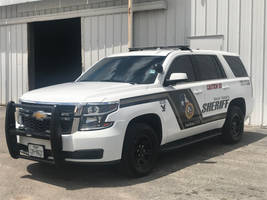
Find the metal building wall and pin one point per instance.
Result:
(163, 27)
(44, 7)
(13, 62)
(103, 36)
(243, 24)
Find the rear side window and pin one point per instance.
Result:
(209, 67)
(236, 66)
(182, 64)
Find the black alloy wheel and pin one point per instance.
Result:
(143, 153)
(234, 125)
(140, 150)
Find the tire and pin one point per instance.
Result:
(233, 128)
(140, 150)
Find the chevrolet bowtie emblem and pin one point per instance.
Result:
(39, 115)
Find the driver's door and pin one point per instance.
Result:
(186, 98)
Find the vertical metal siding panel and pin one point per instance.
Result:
(8, 12)
(124, 38)
(82, 43)
(109, 39)
(136, 30)
(188, 20)
(223, 21)
(264, 123)
(19, 60)
(193, 17)
(8, 61)
(161, 28)
(3, 63)
(257, 59)
(245, 33)
(13, 62)
(211, 17)
(171, 22)
(145, 25)
(25, 58)
(102, 37)
(1, 73)
(200, 17)
(152, 28)
(95, 34)
(14, 75)
(13, 11)
(180, 20)
(142, 30)
(87, 42)
(233, 39)
(3, 12)
(117, 34)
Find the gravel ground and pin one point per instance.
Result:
(207, 170)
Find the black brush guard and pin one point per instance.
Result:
(55, 135)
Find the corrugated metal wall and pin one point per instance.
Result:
(57, 6)
(163, 27)
(13, 62)
(243, 24)
(103, 36)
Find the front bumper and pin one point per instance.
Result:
(101, 146)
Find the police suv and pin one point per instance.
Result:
(129, 107)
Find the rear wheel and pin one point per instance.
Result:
(234, 125)
(140, 150)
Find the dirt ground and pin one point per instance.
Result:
(207, 170)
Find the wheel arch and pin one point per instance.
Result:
(240, 102)
(151, 119)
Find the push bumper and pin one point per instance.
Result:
(102, 146)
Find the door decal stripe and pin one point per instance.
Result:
(181, 101)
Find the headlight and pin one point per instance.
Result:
(94, 116)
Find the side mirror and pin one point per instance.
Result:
(158, 68)
(175, 78)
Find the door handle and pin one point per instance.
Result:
(197, 91)
(226, 87)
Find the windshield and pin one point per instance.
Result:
(126, 69)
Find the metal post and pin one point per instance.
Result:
(130, 23)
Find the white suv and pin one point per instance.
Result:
(128, 107)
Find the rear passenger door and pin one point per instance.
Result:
(216, 89)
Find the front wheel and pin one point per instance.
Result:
(234, 126)
(140, 150)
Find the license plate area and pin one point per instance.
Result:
(35, 150)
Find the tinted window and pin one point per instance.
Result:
(236, 66)
(128, 69)
(182, 64)
(208, 67)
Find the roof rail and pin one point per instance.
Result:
(179, 47)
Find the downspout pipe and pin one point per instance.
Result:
(130, 24)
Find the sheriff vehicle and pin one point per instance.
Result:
(129, 107)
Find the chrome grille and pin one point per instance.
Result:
(29, 122)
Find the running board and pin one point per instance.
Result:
(190, 140)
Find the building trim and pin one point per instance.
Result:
(157, 5)
(13, 2)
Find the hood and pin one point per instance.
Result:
(80, 92)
